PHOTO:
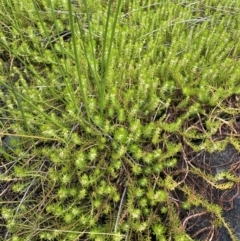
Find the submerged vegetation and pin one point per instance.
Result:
(103, 105)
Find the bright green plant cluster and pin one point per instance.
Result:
(103, 98)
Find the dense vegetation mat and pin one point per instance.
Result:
(110, 112)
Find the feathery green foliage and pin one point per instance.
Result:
(105, 98)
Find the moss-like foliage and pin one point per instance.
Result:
(103, 104)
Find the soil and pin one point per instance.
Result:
(201, 226)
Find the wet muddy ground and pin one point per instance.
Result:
(201, 225)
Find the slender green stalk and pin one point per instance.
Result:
(20, 97)
(19, 104)
(106, 60)
(106, 52)
(93, 69)
(62, 69)
(77, 60)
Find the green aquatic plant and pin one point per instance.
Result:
(107, 101)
